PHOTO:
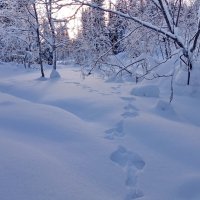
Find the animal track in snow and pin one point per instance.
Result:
(130, 111)
(71, 82)
(116, 89)
(129, 114)
(130, 107)
(128, 99)
(129, 161)
(92, 90)
(117, 131)
(104, 94)
(132, 163)
(126, 158)
(131, 179)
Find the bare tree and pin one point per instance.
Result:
(50, 34)
(169, 29)
(38, 37)
(52, 41)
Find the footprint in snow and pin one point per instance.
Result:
(134, 194)
(92, 90)
(117, 92)
(71, 82)
(130, 111)
(89, 89)
(117, 131)
(116, 89)
(86, 87)
(130, 107)
(129, 114)
(126, 158)
(132, 163)
(128, 99)
(131, 179)
(104, 94)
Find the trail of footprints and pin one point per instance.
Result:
(130, 162)
(89, 89)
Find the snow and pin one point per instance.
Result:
(82, 139)
(146, 91)
(54, 74)
(165, 109)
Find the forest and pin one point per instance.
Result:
(146, 31)
(99, 99)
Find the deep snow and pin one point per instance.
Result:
(71, 138)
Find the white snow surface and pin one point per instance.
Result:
(88, 139)
(146, 91)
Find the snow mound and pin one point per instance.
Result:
(164, 106)
(54, 74)
(146, 91)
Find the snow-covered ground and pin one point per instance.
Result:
(88, 139)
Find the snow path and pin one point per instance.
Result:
(130, 162)
(87, 139)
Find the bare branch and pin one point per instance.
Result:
(100, 57)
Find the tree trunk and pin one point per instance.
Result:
(189, 66)
(189, 69)
(38, 41)
(54, 58)
(48, 4)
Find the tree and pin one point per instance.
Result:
(169, 27)
(49, 6)
(117, 26)
(35, 15)
(63, 41)
(14, 31)
(94, 29)
(30, 30)
(50, 34)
